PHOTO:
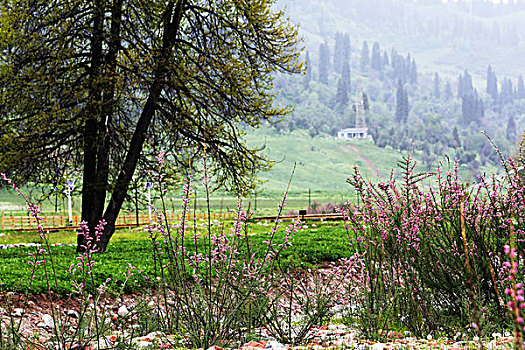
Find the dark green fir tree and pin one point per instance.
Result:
(365, 57)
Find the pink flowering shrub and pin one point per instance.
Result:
(213, 286)
(411, 236)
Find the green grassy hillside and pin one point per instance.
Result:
(324, 163)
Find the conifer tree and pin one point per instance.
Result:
(366, 102)
(365, 57)
(465, 86)
(461, 89)
(338, 52)
(324, 56)
(436, 91)
(341, 96)
(386, 61)
(346, 47)
(346, 76)
(507, 92)
(308, 75)
(402, 107)
(400, 70)
(413, 72)
(492, 84)
(376, 57)
(520, 92)
(393, 57)
(448, 91)
(511, 129)
(341, 51)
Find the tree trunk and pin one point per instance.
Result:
(92, 196)
(172, 18)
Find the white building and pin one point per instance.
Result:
(352, 133)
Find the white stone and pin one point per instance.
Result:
(155, 335)
(275, 345)
(17, 312)
(379, 346)
(48, 320)
(123, 311)
(72, 313)
(143, 344)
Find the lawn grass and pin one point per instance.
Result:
(312, 245)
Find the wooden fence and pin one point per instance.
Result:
(21, 222)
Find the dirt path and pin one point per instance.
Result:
(367, 161)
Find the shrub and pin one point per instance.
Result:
(433, 255)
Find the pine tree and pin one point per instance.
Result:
(436, 91)
(406, 106)
(413, 72)
(461, 89)
(507, 93)
(376, 57)
(492, 84)
(400, 71)
(511, 130)
(399, 101)
(338, 52)
(346, 49)
(520, 92)
(308, 75)
(366, 102)
(448, 91)
(468, 88)
(472, 109)
(341, 96)
(324, 56)
(465, 86)
(346, 76)
(365, 57)
(341, 51)
(386, 61)
(467, 108)
(402, 107)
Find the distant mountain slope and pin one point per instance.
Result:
(442, 37)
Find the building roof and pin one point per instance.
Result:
(354, 130)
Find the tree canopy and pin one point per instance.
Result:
(85, 84)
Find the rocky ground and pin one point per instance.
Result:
(34, 313)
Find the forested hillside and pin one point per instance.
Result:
(418, 70)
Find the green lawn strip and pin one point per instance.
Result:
(310, 246)
(67, 236)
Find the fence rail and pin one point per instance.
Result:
(19, 222)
